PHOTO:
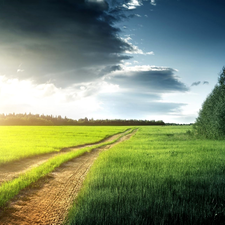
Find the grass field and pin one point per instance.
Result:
(22, 141)
(10, 189)
(160, 176)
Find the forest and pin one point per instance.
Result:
(13, 119)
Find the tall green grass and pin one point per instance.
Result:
(159, 176)
(18, 142)
(10, 189)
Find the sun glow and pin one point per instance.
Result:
(22, 96)
(14, 90)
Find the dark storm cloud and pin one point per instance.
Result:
(110, 69)
(135, 105)
(196, 83)
(153, 80)
(205, 82)
(59, 40)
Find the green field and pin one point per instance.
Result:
(11, 188)
(18, 142)
(161, 175)
(80, 135)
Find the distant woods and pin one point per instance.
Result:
(49, 120)
(211, 120)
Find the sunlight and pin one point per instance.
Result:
(15, 90)
(22, 95)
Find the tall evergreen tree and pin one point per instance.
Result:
(211, 120)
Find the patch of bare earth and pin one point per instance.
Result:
(48, 200)
(12, 170)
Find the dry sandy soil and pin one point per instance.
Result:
(48, 200)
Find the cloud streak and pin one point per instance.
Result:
(136, 105)
(148, 79)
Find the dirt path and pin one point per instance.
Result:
(12, 170)
(48, 200)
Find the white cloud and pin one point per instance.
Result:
(137, 15)
(133, 4)
(138, 68)
(127, 39)
(19, 71)
(153, 2)
(109, 88)
(22, 96)
(135, 49)
(150, 53)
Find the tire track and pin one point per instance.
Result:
(48, 200)
(13, 170)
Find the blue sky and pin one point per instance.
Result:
(125, 59)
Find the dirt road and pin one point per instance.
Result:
(12, 170)
(48, 200)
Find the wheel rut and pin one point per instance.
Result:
(48, 200)
(10, 171)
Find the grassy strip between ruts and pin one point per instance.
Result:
(17, 142)
(10, 189)
(159, 176)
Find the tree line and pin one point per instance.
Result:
(13, 119)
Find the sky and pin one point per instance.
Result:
(110, 59)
